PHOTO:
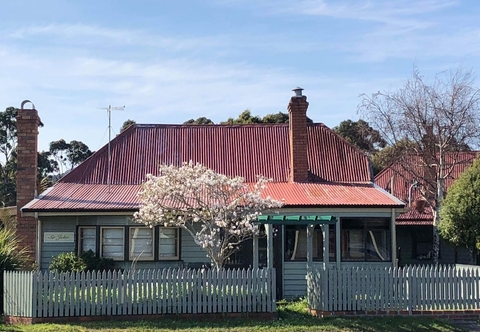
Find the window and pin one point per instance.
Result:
(141, 243)
(296, 243)
(168, 242)
(366, 239)
(87, 239)
(113, 242)
(124, 243)
(422, 242)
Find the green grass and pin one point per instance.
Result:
(292, 317)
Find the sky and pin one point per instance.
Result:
(171, 61)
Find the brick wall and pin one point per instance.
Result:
(27, 131)
(442, 314)
(257, 316)
(297, 110)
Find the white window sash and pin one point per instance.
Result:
(168, 243)
(112, 247)
(141, 245)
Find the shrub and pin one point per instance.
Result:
(67, 262)
(97, 263)
(7, 220)
(12, 257)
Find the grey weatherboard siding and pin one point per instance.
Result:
(189, 251)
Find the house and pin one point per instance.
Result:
(326, 183)
(415, 225)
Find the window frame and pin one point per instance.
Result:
(126, 257)
(80, 239)
(130, 246)
(123, 228)
(316, 241)
(177, 244)
(365, 227)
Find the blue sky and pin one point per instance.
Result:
(169, 61)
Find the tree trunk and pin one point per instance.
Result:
(436, 239)
(436, 209)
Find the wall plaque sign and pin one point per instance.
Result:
(58, 237)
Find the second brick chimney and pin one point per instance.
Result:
(297, 110)
(27, 132)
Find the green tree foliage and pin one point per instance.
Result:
(460, 211)
(8, 182)
(8, 165)
(388, 155)
(246, 117)
(360, 134)
(199, 121)
(8, 132)
(127, 124)
(7, 220)
(69, 155)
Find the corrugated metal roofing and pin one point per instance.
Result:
(239, 150)
(413, 216)
(339, 173)
(94, 197)
(397, 180)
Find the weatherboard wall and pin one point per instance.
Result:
(407, 237)
(189, 251)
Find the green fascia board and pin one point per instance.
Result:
(278, 219)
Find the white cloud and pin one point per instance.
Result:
(81, 33)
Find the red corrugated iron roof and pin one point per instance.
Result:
(396, 180)
(413, 216)
(94, 197)
(339, 172)
(233, 150)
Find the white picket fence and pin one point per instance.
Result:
(400, 289)
(143, 292)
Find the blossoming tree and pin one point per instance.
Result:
(219, 212)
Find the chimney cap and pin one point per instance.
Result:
(27, 101)
(298, 91)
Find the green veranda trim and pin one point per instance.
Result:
(279, 219)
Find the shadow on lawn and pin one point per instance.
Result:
(293, 316)
(296, 314)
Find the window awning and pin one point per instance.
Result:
(279, 219)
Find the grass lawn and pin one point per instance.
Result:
(293, 317)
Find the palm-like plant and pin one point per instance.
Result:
(12, 256)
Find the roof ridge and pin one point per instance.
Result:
(160, 125)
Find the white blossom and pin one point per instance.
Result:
(218, 211)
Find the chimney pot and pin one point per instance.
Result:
(298, 91)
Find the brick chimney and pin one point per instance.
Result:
(27, 132)
(297, 110)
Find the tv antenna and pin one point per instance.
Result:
(109, 111)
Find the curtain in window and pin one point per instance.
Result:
(141, 243)
(113, 243)
(88, 239)
(168, 242)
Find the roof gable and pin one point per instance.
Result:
(396, 180)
